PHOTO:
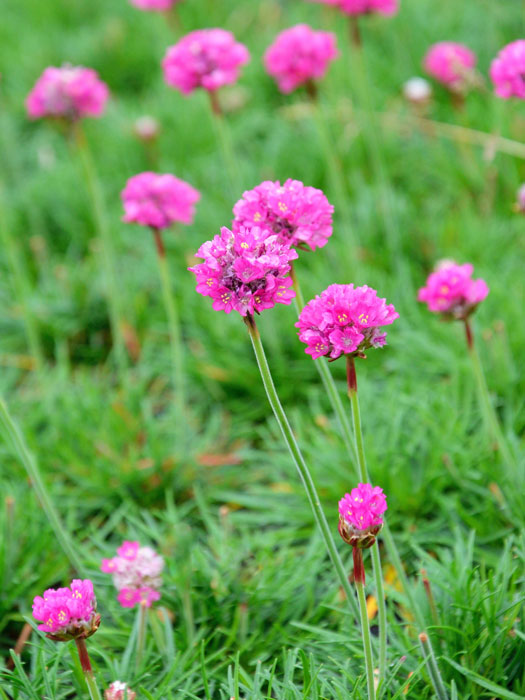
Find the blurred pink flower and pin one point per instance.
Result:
(520, 200)
(207, 58)
(450, 63)
(158, 200)
(155, 5)
(361, 7)
(119, 691)
(71, 92)
(299, 55)
(363, 507)
(451, 291)
(299, 215)
(67, 613)
(507, 71)
(136, 574)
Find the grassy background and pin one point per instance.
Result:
(253, 605)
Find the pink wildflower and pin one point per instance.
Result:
(71, 92)
(363, 507)
(207, 58)
(136, 574)
(119, 691)
(520, 200)
(344, 320)
(245, 270)
(67, 613)
(158, 200)
(507, 71)
(155, 5)
(361, 7)
(450, 63)
(451, 291)
(299, 55)
(297, 214)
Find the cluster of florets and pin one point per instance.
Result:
(451, 291)
(297, 214)
(136, 574)
(344, 320)
(507, 71)
(158, 201)
(207, 58)
(451, 64)
(119, 691)
(67, 613)
(245, 270)
(155, 5)
(363, 7)
(69, 92)
(299, 55)
(360, 514)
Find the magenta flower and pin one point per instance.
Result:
(155, 5)
(71, 92)
(245, 271)
(67, 613)
(344, 320)
(119, 691)
(450, 63)
(136, 574)
(207, 58)
(299, 55)
(363, 507)
(520, 200)
(451, 291)
(297, 214)
(158, 200)
(363, 7)
(507, 71)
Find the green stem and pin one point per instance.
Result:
(367, 644)
(141, 633)
(298, 459)
(432, 667)
(224, 139)
(83, 655)
(15, 441)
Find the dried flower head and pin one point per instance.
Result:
(136, 574)
(360, 515)
(450, 63)
(507, 71)
(146, 128)
(417, 90)
(67, 613)
(119, 691)
(451, 291)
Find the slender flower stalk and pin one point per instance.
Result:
(142, 613)
(432, 667)
(85, 662)
(224, 140)
(365, 627)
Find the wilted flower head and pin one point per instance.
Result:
(71, 92)
(297, 214)
(451, 291)
(67, 613)
(417, 90)
(158, 201)
(245, 270)
(207, 58)
(450, 63)
(363, 7)
(146, 128)
(360, 515)
(299, 55)
(507, 71)
(155, 5)
(344, 320)
(136, 574)
(119, 691)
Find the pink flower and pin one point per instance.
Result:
(207, 58)
(451, 291)
(299, 215)
(299, 55)
(450, 64)
(363, 507)
(507, 71)
(128, 550)
(156, 6)
(67, 613)
(158, 200)
(361, 7)
(119, 691)
(245, 270)
(71, 92)
(344, 320)
(520, 200)
(136, 574)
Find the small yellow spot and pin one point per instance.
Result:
(257, 216)
(342, 318)
(282, 206)
(77, 595)
(363, 318)
(62, 616)
(209, 281)
(244, 245)
(444, 289)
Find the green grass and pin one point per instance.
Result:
(253, 609)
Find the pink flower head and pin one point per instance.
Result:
(155, 5)
(507, 71)
(245, 270)
(119, 691)
(362, 7)
(297, 214)
(67, 613)
(363, 507)
(299, 55)
(136, 574)
(71, 92)
(158, 200)
(344, 320)
(450, 63)
(520, 200)
(451, 291)
(207, 58)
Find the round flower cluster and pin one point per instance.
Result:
(71, 92)
(451, 291)
(299, 55)
(136, 574)
(156, 6)
(362, 7)
(360, 514)
(450, 63)
(207, 58)
(119, 691)
(507, 71)
(245, 270)
(67, 613)
(158, 200)
(297, 214)
(344, 320)
(417, 90)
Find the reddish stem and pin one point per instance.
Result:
(215, 104)
(468, 334)
(359, 567)
(159, 243)
(355, 32)
(311, 89)
(83, 655)
(351, 376)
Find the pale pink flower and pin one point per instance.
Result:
(451, 291)
(136, 574)
(450, 63)
(119, 691)
(155, 5)
(520, 200)
(507, 71)
(67, 613)
(71, 92)
(344, 320)
(361, 7)
(299, 215)
(363, 507)
(207, 58)
(158, 200)
(299, 55)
